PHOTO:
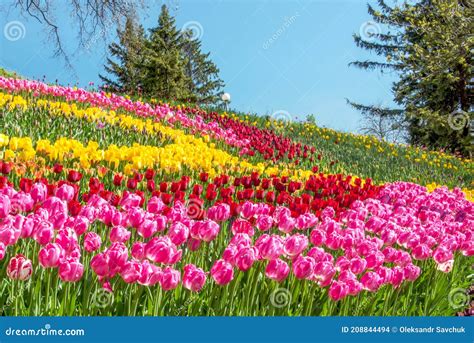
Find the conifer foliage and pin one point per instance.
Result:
(167, 63)
(428, 43)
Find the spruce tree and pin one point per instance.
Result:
(205, 84)
(165, 75)
(126, 73)
(428, 44)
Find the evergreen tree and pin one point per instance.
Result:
(126, 74)
(168, 64)
(428, 44)
(165, 75)
(205, 84)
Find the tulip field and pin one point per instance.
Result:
(112, 206)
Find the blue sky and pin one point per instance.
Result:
(273, 55)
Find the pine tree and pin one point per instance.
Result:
(428, 45)
(164, 66)
(126, 74)
(205, 84)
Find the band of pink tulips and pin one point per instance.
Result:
(375, 242)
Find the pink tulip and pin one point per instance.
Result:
(396, 277)
(80, 224)
(155, 205)
(194, 278)
(170, 279)
(92, 242)
(147, 228)
(442, 254)
(150, 274)
(295, 245)
(241, 240)
(206, 230)
(138, 250)
(117, 256)
(222, 272)
(65, 192)
(374, 259)
(136, 216)
(421, 252)
(328, 212)
(229, 253)
(43, 233)
(70, 271)
(67, 239)
(264, 222)
(2, 251)
(338, 290)
(100, 265)
(162, 250)
(50, 255)
(219, 213)
(5, 206)
(19, 268)
(358, 265)
(286, 224)
(303, 266)
(27, 227)
(269, 247)
(248, 209)
(242, 226)
(21, 202)
(371, 281)
(305, 221)
(317, 237)
(119, 234)
(130, 200)
(411, 272)
(277, 270)
(178, 233)
(334, 241)
(245, 258)
(355, 287)
(342, 262)
(131, 272)
(9, 235)
(38, 192)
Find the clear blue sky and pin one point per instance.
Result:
(273, 55)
